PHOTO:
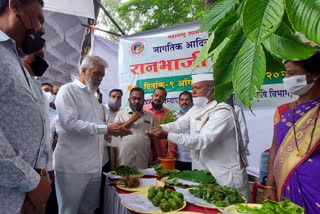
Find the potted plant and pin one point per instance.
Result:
(168, 163)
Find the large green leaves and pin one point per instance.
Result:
(249, 69)
(305, 17)
(223, 68)
(261, 18)
(216, 13)
(284, 44)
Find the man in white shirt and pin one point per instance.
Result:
(135, 150)
(215, 138)
(112, 109)
(77, 159)
(183, 154)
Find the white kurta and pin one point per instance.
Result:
(81, 130)
(213, 139)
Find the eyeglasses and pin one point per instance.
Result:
(136, 98)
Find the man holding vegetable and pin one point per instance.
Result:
(214, 139)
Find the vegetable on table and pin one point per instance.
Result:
(220, 196)
(197, 176)
(126, 171)
(268, 206)
(166, 199)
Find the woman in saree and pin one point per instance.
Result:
(294, 160)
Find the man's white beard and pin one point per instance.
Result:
(91, 87)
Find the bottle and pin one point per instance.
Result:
(264, 167)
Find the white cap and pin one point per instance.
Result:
(202, 77)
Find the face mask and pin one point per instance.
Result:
(185, 110)
(39, 66)
(135, 108)
(200, 101)
(51, 98)
(114, 104)
(297, 85)
(47, 94)
(32, 42)
(156, 106)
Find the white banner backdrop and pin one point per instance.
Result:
(162, 57)
(165, 57)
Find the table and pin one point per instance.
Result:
(112, 203)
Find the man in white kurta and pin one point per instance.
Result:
(77, 159)
(215, 138)
(135, 150)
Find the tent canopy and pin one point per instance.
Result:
(64, 37)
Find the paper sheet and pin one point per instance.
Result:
(189, 183)
(144, 182)
(149, 171)
(112, 176)
(191, 198)
(137, 202)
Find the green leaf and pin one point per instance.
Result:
(204, 51)
(223, 69)
(216, 13)
(305, 17)
(249, 69)
(223, 92)
(261, 18)
(215, 53)
(226, 27)
(284, 44)
(273, 64)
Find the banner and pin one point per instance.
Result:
(163, 57)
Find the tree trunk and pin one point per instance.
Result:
(208, 3)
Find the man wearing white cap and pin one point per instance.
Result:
(215, 139)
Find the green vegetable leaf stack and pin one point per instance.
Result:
(220, 196)
(282, 207)
(126, 171)
(198, 176)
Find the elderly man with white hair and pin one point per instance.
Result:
(214, 139)
(77, 159)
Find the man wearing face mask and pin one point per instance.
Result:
(22, 119)
(81, 126)
(215, 139)
(156, 108)
(135, 150)
(112, 109)
(183, 154)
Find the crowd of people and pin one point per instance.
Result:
(56, 141)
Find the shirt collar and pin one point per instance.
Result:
(5, 38)
(80, 84)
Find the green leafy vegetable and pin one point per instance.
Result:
(126, 171)
(220, 196)
(162, 172)
(282, 207)
(198, 176)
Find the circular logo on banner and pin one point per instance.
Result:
(137, 47)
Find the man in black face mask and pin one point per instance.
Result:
(35, 63)
(23, 149)
(135, 150)
(156, 108)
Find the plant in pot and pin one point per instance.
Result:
(168, 162)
